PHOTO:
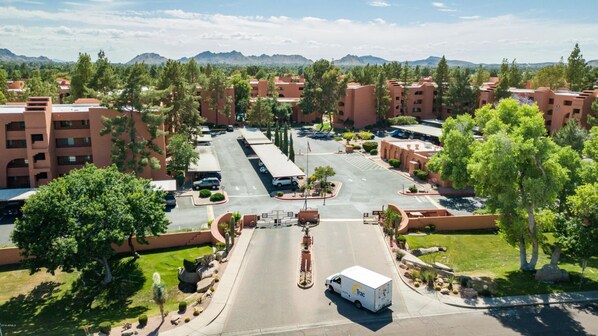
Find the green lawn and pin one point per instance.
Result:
(326, 127)
(489, 257)
(44, 304)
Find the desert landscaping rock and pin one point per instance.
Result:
(204, 285)
(220, 255)
(188, 277)
(428, 250)
(445, 291)
(442, 267)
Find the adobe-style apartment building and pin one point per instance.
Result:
(289, 90)
(212, 117)
(41, 141)
(558, 106)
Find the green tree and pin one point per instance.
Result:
(460, 95)
(260, 113)
(242, 94)
(442, 79)
(282, 112)
(277, 136)
(515, 75)
(37, 87)
(516, 167)
(285, 140)
(3, 86)
(74, 221)
(382, 95)
(192, 72)
(577, 70)
(159, 292)
(322, 174)
(458, 144)
(82, 74)
(322, 89)
(269, 131)
(103, 79)
(182, 154)
(406, 79)
(478, 78)
(589, 170)
(571, 135)
(130, 151)
(502, 89)
(215, 94)
(291, 149)
(552, 77)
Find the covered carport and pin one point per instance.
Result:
(11, 200)
(207, 163)
(253, 136)
(276, 162)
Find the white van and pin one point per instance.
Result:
(363, 287)
(284, 181)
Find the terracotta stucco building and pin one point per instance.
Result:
(41, 141)
(289, 91)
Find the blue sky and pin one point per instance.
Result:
(473, 30)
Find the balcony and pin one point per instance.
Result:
(71, 124)
(10, 144)
(73, 142)
(15, 126)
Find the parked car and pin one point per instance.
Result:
(12, 209)
(264, 170)
(206, 183)
(229, 128)
(260, 163)
(320, 135)
(283, 181)
(363, 287)
(210, 174)
(169, 199)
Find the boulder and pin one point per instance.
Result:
(445, 291)
(469, 293)
(426, 250)
(204, 285)
(214, 264)
(129, 332)
(442, 267)
(188, 277)
(206, 272)
(551, 273)
(220, 255)
(205, 260)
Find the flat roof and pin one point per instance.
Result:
(204, 137)
(278, 164)
(253, 136)
(166, 185)
(208, 160)
(423, 146)
(57, 108)
(365, 276)
(18, 194)
(421, 129)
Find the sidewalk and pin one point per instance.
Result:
(202, 325)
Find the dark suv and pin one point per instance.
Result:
(211, 174)
(207, 183)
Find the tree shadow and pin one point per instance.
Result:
(539, 320)
(468, 204)
(50, 310)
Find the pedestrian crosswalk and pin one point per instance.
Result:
(361, 162)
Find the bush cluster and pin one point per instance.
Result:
(374, 152)
(368, 146)
(356, 147)
(220, 246)
(363, 135)
(402, 120)
(182, 306)
(394, 163)
(205, 193)
(217, 197)
(279, 193)
(413, 189)
(142, 320)
(105, 327)
(420, 174)
(400, 254)
(348, 136)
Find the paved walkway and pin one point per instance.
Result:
(205, 323)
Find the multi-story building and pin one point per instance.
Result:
(558, 106)
(413, 154)
(212, 117)
(41, 141)
(289, 91)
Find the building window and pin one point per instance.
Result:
(419, 93)
(301, 88)
(550, 101)
(576, 111)
(341, 113)
(418, 101)
(568, 102)
(39, 157)
(66, 124)
(483, 102)
(87, 140)
(15, 126)
(37, 137)
(397, 98)
(16, 144)
(549, 112)
(40, 176)
(18, 163)
(85, 123)
(341, 104)
(416, 110)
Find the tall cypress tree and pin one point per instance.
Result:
(285, 140)
(502, 90)
(277, 137)
(269, 132)
(291, 149)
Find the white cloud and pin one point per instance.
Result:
(379, 4)
(473, 17)
(123, 34)
(441, 6)
(438, 5)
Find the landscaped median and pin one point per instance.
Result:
(288, 195)
(206, 196)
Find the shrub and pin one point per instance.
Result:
(337, 138)
(217, 197)
(356, 147)
(365, 135)
(394, 163)
(402, 120)
(105, 327)
(142, 320)
(220, 246)
(216, 279)
(428, 276)
(455, 291)
(374, 152)
(196, 312)
(416, 284)
(400, 254)
(485, 292)
(348, 136)
(205, 193)
(212, 289)
(430, 228)
(368, 146)
(279, 193)
(415, 274)
(465, 281)
(413, 189)
(422, 175)
(187, 319)
(182, 306)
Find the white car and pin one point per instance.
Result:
(284, 181)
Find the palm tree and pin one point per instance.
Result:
(390, 219)
(159, 292)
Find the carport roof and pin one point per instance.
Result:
(276, 162)
(20, 194)
(208, 161)
(166, 185)
(421, 129)
(253, 136)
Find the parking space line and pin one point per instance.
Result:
(434, 202)
(417, 198)
(210, 210)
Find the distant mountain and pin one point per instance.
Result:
(593, 63)
(352, 60)
(236, 58)
(8, 56)
(433, 61)
(148, 58)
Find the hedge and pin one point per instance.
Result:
(422, 175)
(217, 197)
(369, 145)
(205, 193)
(403, 120)
(394, 163)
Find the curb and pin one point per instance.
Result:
(211, 203)
(521, 304)
(437, 194)
(282, 198)
(313, 271)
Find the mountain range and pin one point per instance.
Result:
(237, 58)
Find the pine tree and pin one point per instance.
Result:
(82, 73)
(460, 96)
(285, 140)
(277, 137)
(441, 78)
(382, 98)
(502, 90)
(103, 79)
(577, 69)
(515, 75)
(406, 78)
(291, 149)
